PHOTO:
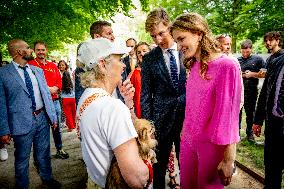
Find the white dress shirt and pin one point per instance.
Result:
(37, 94)
(167, 55)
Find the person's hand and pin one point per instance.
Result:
(256, 129)
(248, 74)
(53, 90)
(127, 91)
(225, 171)
(5, 139)
(261, 74)
(54, 126)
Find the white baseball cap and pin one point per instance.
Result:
(92, 51)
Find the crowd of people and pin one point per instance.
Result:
(189, 85)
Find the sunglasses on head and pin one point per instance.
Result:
(225, 35)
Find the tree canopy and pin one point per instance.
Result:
(59, 22)
(239, 18)
(56, 22)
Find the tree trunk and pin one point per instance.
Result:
(234, 43)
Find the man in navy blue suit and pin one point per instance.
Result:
(163, 91)
(26, 113)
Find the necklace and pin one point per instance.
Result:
(44, 68)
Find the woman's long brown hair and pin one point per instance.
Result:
(195, 23)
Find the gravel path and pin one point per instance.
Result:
(244, 181)
(72, 173)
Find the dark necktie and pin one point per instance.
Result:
(29, 86)
(173, 67)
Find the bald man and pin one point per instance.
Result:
(26, 113)
(225, 42)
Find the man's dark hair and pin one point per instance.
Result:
(97, 27)
(39, 42)
(273, 35)
(246, 44)
(132, 39)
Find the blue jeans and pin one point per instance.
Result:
(57, 132)
(58, 111)
(39, 137)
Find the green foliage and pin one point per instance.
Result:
(56, 22)
(142, 35)
(249, 154)
(240, 18)
(258, 46)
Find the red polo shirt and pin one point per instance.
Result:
(51, 74)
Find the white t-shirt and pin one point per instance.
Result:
(105, 124)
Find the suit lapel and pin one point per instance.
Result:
(40, 85)
(45, 94)
(17, 76)
(163, 67)
(39, 80)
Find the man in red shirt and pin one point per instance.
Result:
(54, 83)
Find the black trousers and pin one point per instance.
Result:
(163, 151)
(274, 154)
(250, 98)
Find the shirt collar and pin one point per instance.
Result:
(40, 62)
(17, 65)
(173, 47)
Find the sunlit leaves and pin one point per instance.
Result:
(55, 21)
(240, 18)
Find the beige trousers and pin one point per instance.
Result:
(92, 185)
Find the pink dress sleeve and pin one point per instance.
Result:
(225, 118)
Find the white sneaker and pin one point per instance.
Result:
(3, 154)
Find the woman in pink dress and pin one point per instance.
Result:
(213, 94)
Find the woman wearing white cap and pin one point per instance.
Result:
(106, 127)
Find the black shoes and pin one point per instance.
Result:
(51, 184)
(61, 154)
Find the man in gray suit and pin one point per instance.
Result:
(26, 112)
(163, 91)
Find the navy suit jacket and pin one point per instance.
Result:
(16, 116)
(161, 102)
(126, 61)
